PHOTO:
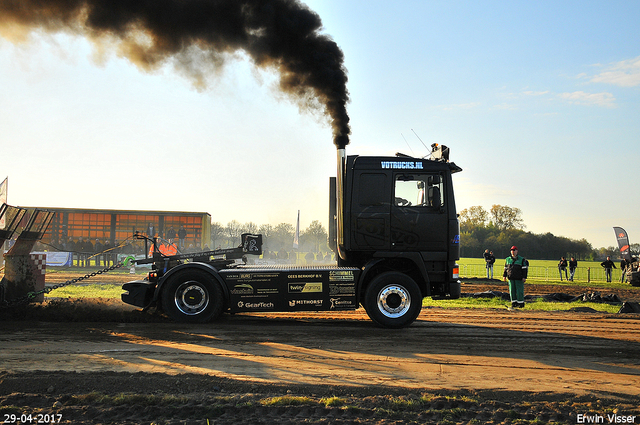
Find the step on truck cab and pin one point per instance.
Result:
(392, 224)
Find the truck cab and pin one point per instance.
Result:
(399, 217)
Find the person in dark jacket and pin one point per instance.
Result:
(87, 249)
(573, 265)
(489, 259)
(516, 269)
(608, 265)
(106, 248)
(624, 263)
(182, 235)
(562, 267)
(97, 247)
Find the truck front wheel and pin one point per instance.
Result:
(393, 300)
(192, 296)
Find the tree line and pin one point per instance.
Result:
(497, 230)
(274, 238)
(502, 226)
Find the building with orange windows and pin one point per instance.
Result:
(116, 226)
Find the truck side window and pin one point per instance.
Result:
(418, 190)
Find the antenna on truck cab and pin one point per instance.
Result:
(425, 146)
(405, 139)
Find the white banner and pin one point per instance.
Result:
(57, 259)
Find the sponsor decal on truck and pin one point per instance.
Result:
(305, 287)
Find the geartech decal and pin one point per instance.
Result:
(261, 305)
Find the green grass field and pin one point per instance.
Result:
(543, 271)
(104, 290)
(538, 305)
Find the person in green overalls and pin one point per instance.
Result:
(515, 271)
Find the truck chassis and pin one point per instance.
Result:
(199, 287)
(392, 224)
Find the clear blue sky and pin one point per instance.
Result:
(539, 103)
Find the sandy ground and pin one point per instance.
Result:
(101, 361)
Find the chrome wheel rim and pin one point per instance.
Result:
(394, 301)
(191, 298)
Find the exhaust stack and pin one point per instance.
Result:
(342, 159)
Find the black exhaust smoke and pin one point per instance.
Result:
(199, 35)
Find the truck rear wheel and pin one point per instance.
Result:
(393, 300)
(192, 296)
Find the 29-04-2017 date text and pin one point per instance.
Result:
(39, 418)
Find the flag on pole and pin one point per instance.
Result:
(296, 237)
(623, 242)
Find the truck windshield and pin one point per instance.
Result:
(418, 190)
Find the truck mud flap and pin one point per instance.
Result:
(452, 294)
(455, 290)
(139, 293)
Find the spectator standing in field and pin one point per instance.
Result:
(562, 267)
(309, 257)
(88, 249)
(98, 248)
(182, 235)
(171, 234)
(516, 269)
(71, 247)
(117, 249)
(623, 269)
(608, 265)
(106, 257)
(489, 259)
(573, 265)
(80, 246)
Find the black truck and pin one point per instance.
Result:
(394, 229)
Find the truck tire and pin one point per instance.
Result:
(393, 300)
(192, 296)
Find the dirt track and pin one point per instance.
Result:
(451, 366)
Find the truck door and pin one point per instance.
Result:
(370, 208)
(418, 214)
